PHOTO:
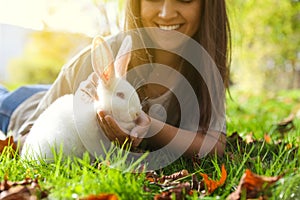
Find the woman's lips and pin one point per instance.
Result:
(169, 27)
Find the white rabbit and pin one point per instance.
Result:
(70, 122)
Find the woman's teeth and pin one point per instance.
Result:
(169, 28)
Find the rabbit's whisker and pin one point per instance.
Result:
(144, 101)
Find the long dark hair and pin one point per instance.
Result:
(214, 36)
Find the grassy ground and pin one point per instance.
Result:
(247, 114)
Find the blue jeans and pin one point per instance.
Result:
(9, 101)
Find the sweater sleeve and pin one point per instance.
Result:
(67, 82)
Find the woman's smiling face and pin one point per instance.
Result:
(170, 17)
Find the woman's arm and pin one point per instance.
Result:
(190, 142)
(161, 134)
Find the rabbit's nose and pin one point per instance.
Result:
(134, 115)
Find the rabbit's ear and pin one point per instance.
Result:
(123, 57)
(102, 60)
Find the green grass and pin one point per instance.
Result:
(258, 114)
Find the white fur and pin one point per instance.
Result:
(70, 122)
(53, 129)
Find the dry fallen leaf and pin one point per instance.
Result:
(254, 185)
(249, 138)
(286, 124)
(103, 196)
(177, 184)
(235, 137)
(166, 180)
(180, 190)
(212, 185)
(288, 146)
(9, 141)
(27, 189)
(267, 138)
(174, 176)
(152, 176)
(171, 185)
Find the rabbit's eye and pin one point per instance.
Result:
(121, 95)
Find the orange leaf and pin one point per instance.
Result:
(288, 146)
(9, 141)
(254, 181)
(253, 184)
(267, 138)
(102, 196)
(212, 185)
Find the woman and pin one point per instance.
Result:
(205, 21)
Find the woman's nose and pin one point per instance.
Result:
(168, 10)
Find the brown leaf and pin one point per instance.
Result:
(9, 141)
(253, 184)
(152, 176)
(212, 185)
(21, 190)
(172, 185)
(17, 192)
(235, 137)
(103, 196)
(179, 191)
(166, 180)
(175, 176)
(286, 124)
(287, 120)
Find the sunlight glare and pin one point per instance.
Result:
(74, 16)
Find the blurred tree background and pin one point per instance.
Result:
(44, 55)
(266, 44)
(266, 41)
(47, 50)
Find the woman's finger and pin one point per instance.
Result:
(121, 134)
(104, 126)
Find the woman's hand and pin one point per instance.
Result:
(116, 133)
